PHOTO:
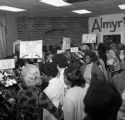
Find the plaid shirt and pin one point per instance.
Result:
(31, 102)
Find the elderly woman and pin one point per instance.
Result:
(91, 66)
(73, 106)
(112, 60)
(31, 99)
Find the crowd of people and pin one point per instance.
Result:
(88, 85)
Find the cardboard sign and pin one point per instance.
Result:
(66, 43)
(31, 49)
(89, 38)
(74, 49)
(16, 46)
(7, 63)
(60, 51)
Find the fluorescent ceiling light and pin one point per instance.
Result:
(57, 3)
(122, 6)
(83, 11)
(12, 9)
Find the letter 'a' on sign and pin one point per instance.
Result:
(66, 43)
(31, 49)
(89, 38)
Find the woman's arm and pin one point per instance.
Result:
(46, 103)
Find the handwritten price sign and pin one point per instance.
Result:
(89, 38)
(74, 49)
(66, 43)
(60, 51)
(31, 49)
(7, 64)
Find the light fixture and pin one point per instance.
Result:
(12, 9)
(57, 3)
(82, 11)
(122, 6)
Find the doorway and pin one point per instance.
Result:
(111, 38)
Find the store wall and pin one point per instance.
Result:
(108, 24)
(52, 30)
(11, 32)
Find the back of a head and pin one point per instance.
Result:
(101, 47)
(60, 60)
(30, 75)
(92, 55)
(50, 69)
(73, 74)
(102, 100)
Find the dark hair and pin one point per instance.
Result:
(60, 60)
(102, 47)
(120, 46)
(20, 63)
(102, 100)
(74, 75)
(92, 55)
(50, 69)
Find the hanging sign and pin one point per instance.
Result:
(31, 49)
(7, 64)
(66, 43)
(89, 38)
(60, 51)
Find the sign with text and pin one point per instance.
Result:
(89, 38)
(74, 49)
(60, 51)
(66, 43)
(31, 49)
(7, 63)
(107, 23)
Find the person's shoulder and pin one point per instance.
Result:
(53, 80)
(119, 76)
(73, 91)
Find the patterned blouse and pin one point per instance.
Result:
(31, 102)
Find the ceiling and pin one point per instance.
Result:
(36, 8)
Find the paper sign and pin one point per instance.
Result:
(66, 43)
(31, 49)
(60, 51)
(39, 60)
(89, 38)
(16, 46)
(7, 63)
(74, 49)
